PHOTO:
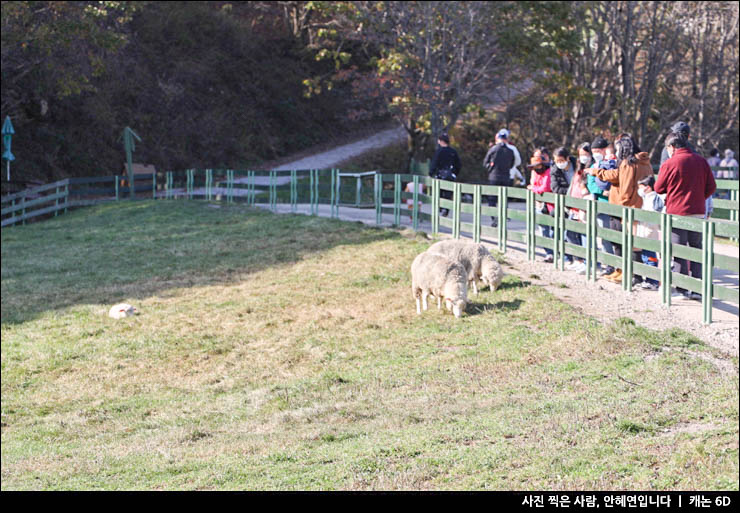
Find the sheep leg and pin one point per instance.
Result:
(475, 287)
(439, 303)
(424, 296)
(418, 306)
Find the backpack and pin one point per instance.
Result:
(503, 159)
(447, 174)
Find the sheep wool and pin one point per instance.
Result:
(121, 310)
(477, 260)
(439, 276)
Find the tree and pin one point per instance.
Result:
(637, 67)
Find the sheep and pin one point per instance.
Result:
(122, 310)
(477, 260)
(437, 275)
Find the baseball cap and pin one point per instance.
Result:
(503, 134)
(599, 143)
(680, 127)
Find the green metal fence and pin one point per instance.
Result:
(385, 192)
(390, 197)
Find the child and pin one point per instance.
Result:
(652, 202)
(539, 183)
(410, 201)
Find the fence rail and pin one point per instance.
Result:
(385, 193)
(389, 187)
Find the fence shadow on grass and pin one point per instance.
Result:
(499, 307)
(135, 250)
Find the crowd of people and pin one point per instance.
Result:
(617, 172)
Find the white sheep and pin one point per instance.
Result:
(437, 275)
(122, 310)
(475, 258)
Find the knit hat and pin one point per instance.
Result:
(444, 138)
(680, 128)
(599, 143)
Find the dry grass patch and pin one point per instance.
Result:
(311, 370)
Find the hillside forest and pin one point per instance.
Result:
(238, 84)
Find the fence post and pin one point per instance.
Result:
(628, 215)
(707, 270)
(477, 200)
(154, 185)
(56, 203)
(293, 190)
(338, 187)
(435, 206)
(502, 222)
(23, 212)
(556, 232)
(66, 195)
(592, 259)
(230, 186)
(457, 205)
(378, 196)
(666, 229)
(415, 209)
(529, 227)
(397, 199)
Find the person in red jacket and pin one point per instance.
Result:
(687, 181)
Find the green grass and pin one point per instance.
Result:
(284, 352)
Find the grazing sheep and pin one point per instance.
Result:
(475, 258)
(437, 275)
(122, 310)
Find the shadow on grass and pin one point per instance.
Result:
(514, 285)
(134, 250)
(501, 306)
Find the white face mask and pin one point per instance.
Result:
(641, 193)
(598, 157)
(561, 165)
(584, 159)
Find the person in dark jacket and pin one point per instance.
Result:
(687, 181)
(562, 171)
(445, 166)
(498, 162)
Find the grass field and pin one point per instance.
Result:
(284, 352)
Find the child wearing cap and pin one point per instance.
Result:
(600, 190)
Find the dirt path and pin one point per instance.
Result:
(330, 158)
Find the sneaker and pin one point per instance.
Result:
(573, 266)
(646, 285)
(692, 295)
(444, 212)
(615, 277)
(606, 271)
(580, 268)
(494, 222)
(548, 259)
